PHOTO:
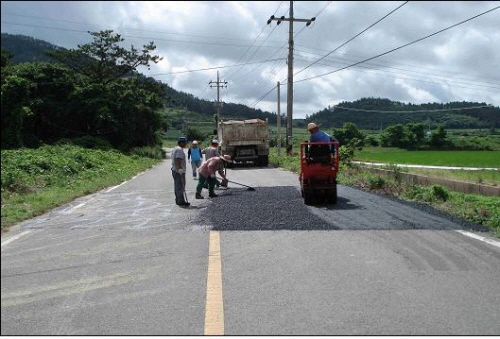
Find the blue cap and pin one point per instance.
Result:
(181, 139)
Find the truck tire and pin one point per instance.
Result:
(263, 160)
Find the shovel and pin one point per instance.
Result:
(237, 183)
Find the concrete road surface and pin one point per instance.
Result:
(128, 261)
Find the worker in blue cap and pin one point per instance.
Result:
(179, 172)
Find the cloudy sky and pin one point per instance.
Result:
(412, 52)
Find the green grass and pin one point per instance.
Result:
(484, 177)
(490, 159)
(37, 180)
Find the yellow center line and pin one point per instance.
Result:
(214, 307)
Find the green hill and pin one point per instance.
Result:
(377, 113)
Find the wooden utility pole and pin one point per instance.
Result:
(289, 94)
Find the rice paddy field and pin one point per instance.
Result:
(479, 159)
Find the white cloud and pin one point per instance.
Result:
(459, 64)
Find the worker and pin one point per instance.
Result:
(207, 174)
(195, 155)
(318, 135)
(179, 172)
(212, 150)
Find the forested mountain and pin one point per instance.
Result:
(377, 114)
(26, 49)
(366, 113)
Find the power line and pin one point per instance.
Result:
(493, 88)
(128, 29)
(354, 37)
(316, 16)
(400, 47)
(377, 67)
(249, 47)
(415, 111)
(198, 42)
(216, 67)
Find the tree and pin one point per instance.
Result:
(14, 100)
(392, 136)
(6, 57)
(113, 101)
(348, 133)
(414, 135)
(104, 60)
(438, 137)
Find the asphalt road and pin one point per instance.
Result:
(128, 261)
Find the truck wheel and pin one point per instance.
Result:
(263, 160)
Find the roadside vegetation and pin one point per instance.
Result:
(35, 181)
(482, 210)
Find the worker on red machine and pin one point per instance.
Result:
(207, 173)
(318, 135)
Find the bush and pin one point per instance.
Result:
(376, 183)
(439, 192)
(428, 193)
(148, 152)
(87, 142)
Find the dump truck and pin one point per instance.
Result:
(246, 141)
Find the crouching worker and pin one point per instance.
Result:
(207, 173)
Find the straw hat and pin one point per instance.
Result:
(226, 158)
(311, 126)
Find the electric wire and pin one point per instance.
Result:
(456, 84)
(376, 66)
(249, 47)
(400, 47)
(216, 67)
(354, 37)
(413, 111)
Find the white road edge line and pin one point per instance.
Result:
(74, 208)
(478, 237)
(15, 237)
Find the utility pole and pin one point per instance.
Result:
(289, 94)
(219, 84)
(278, 122)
